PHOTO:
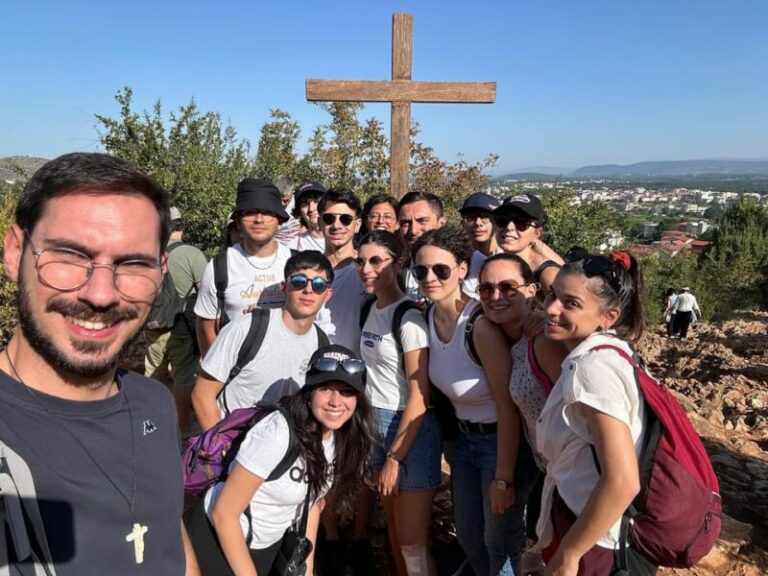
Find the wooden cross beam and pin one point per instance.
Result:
(401, 91)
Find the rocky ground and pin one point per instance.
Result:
(720, 374)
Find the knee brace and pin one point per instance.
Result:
(416, 559)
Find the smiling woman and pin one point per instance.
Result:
(331, 424)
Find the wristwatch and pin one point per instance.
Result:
(503, 484)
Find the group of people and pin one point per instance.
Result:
(388, 341)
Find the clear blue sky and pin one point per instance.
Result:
(579, 82)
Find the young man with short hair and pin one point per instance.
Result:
(340, 220)
(254, 266)
(290, 339)
(307, 197)
(94, 449)
(418, 213)
(477, 220)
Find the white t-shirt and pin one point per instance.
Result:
(252, 281)
(306, 241)
(411, 284)
(344, 307)
(452, 370)
(277, 370)
(277, 504)
(605, 381)
(387, 385)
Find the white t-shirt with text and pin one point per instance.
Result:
(387, 386)
(251, 281)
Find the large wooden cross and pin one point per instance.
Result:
(400, 92)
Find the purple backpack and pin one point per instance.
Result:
(208, 455)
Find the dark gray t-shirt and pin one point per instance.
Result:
(86, 519)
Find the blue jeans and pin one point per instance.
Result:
(493, 542)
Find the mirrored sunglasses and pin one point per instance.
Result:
(348, 365)
(300, 281)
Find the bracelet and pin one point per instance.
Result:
(391, 456)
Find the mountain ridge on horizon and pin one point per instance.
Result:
(652, 168)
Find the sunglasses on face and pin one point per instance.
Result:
(376, 262)
(329, 218)
(441, 271)
(470, 217)
(300, 281)
(348, 365)
(521, 224)
(508, 289)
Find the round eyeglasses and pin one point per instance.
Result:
(68, 270)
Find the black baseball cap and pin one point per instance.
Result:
(528, 204)
(256, 194)
(309, 187)
(335, 363)
(480, 201)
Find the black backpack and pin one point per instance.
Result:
(168, 304)
(251, 345)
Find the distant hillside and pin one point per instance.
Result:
(675, 168)
(672, 168)
(27, 164)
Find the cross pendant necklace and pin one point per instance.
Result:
(136, 535)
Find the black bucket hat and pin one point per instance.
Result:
(255, 194)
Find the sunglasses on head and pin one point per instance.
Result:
(607, 269)
(348, 365)
(507, 288)
(376, 262)
(521, 223)
(441, 271)
(300, 281)
(330, 218)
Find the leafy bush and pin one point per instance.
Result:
(7, 288)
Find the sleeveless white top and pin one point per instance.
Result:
(455, 374)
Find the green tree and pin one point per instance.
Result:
(662, 272)
(8, 314)
(736, 263)
(276, 155)
(195, 157)
(567, 224)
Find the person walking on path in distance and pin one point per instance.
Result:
(686, 311)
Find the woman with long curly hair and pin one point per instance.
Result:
(244, 519)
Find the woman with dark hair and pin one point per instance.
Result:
(519, 224)
(331, 419)
(380, 213)
(492, 471)
(507, 291)
(407, 462)
(592, 425)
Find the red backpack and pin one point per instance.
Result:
(677, 516)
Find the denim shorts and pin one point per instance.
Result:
(420, 469)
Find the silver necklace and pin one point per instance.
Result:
(136, 535)
(265, 266)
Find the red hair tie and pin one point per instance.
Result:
(623, 259)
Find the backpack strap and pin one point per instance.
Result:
(397, 322)
(17, 492)
(469, 335)
(322, 337)
(365, 310)
(248, 349)
(172, 247)
(220, 281)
